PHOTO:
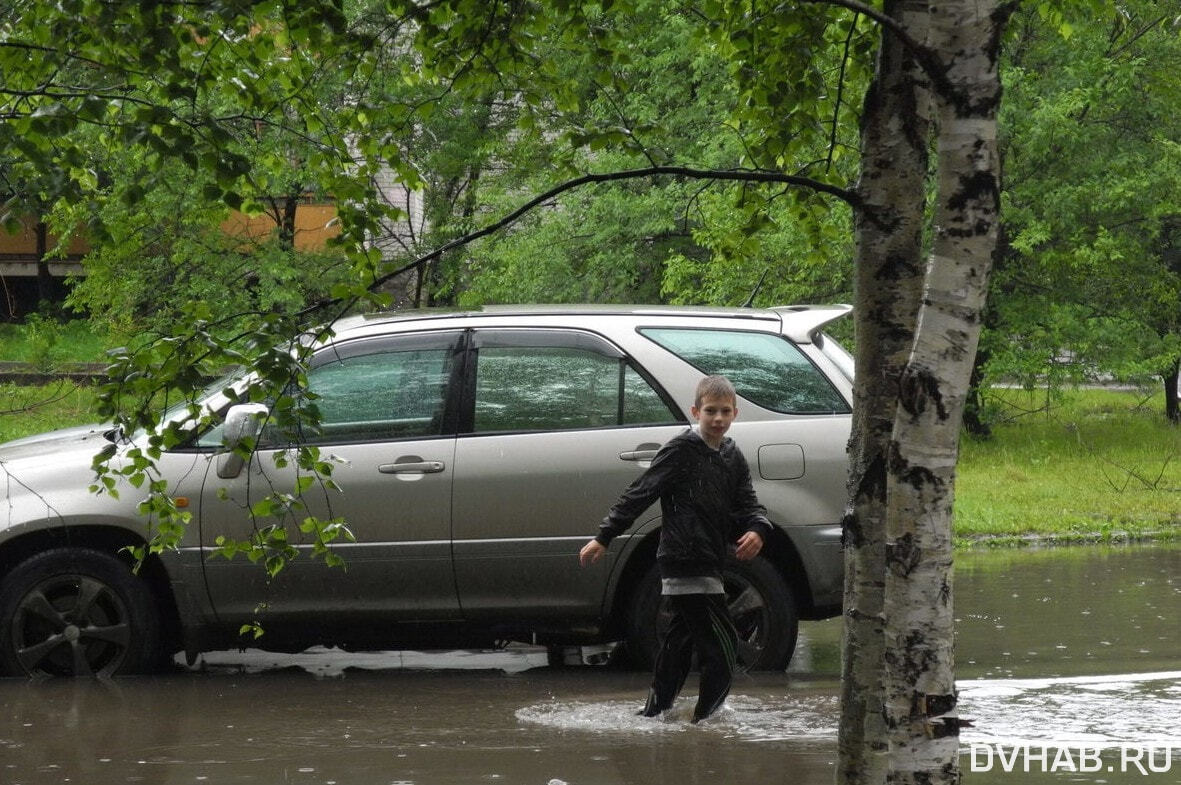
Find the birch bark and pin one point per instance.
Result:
(920, 690)
(895, 132)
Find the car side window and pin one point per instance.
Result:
(388, 395)
(553, 387)
(766, 369)
(375, 390)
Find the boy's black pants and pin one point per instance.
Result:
(691, 622)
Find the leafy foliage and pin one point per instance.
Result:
(1089, 284)
(163, 258)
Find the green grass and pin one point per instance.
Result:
(25, 411)
(1097, 464)
(46, 343)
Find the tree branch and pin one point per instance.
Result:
(927, 58)
(836, 112)
(886, 21)
(747, 176)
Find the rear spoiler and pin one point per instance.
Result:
(802, 322)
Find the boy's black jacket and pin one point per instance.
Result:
(706, 500)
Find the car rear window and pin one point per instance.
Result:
(766, 369)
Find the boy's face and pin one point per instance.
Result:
(715, 416)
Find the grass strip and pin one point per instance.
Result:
(1089, 465)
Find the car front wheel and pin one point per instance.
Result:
(761, 607)
(76, 612)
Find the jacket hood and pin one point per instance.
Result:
(692, 437)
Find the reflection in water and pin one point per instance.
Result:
(1055, 647)
(390, 726)
(325, 662)
(1068, 611)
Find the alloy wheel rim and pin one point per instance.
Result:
(71, 625)
(750, 615)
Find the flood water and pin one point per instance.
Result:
(1071, 652)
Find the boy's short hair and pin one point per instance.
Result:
(715, 387)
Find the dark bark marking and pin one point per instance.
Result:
(978, 229)
(1000, 20)
(916, 668)
(915, 476)
(871, 486)
(918, 389)
(935, 705)
(859, 615)
(896, 267)
(903, 555)
(945, 727)
(889, 328)
(975, 187)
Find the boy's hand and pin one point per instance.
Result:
(591, 553)
(749, 546)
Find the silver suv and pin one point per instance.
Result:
(477, 453)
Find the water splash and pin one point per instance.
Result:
(1100, 711)
(812, 717)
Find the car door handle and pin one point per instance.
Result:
(412, 467)
(638, 455)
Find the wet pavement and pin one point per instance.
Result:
(1069, 663)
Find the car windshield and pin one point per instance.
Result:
(209, 396)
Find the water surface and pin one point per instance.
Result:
(1069, 649)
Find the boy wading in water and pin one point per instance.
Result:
(708, 507)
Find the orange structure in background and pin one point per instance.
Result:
(23, 287)
(314, 224)
(18, 254)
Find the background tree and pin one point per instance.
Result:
(674, 238)
(1089, 285)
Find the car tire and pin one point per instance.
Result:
(761, 606)
(76, 612)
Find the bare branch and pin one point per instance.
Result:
(836, 112)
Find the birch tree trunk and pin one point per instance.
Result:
(920, 689)
(895, 131)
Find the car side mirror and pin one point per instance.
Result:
(243, 422)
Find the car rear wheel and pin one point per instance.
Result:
(76, 612)
(761, 607)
